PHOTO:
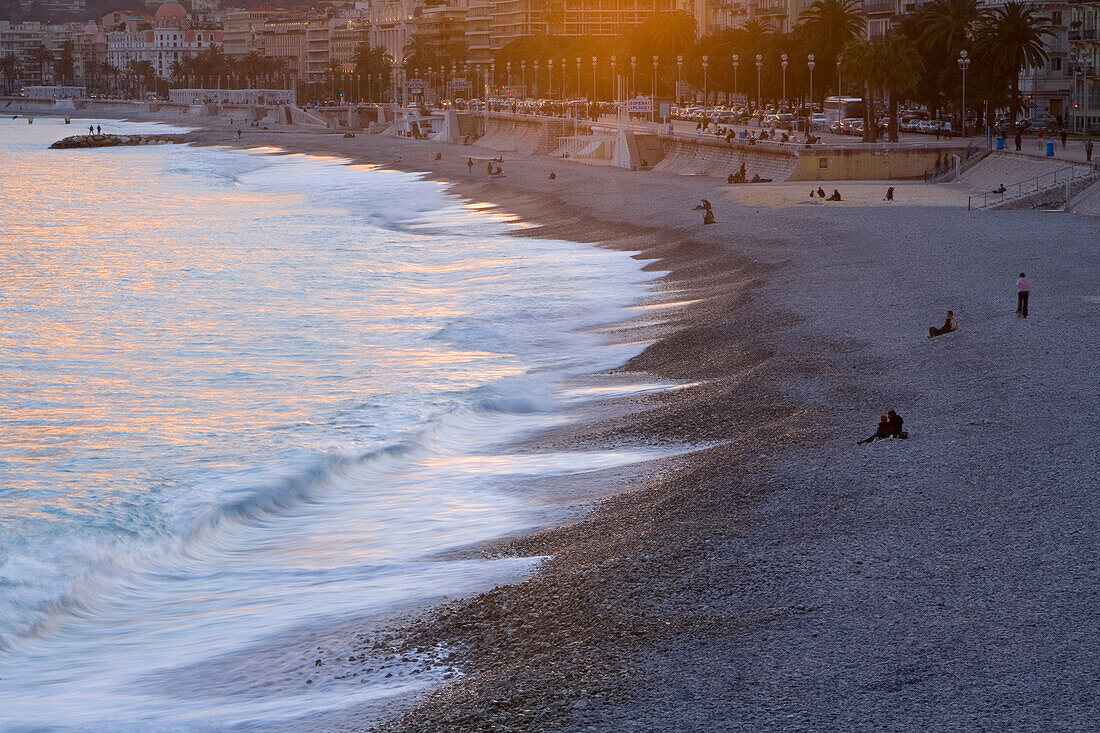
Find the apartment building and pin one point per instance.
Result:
(172, 38)
(243, 30)
(346, 37)
(1083, 37)
(22, 40)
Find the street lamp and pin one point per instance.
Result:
(614, 82)
(653, 99)
(536, 84)
(810, 65)
(706, 96)
(759, 66)
(783, 63)
(523, 77)
(736, 63)
(593, 78)
(838, 94)
(964, 64)
(633, 76)
(508, 66)
(550, 76)
(578, 77)
(679, 75)
(564, 73)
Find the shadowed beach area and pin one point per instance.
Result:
(785, 578)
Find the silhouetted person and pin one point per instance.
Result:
(1088, 151)
(470, 165)
(552, 176)
(238, 134)
(835, 196)
(1023, 290)
(1019, 141)
(895, 425)
(882, 433)
(91, 130)
(820, 192)
(98, 130)
(1000, 189)
(703, 205)
(729, 178)
(708, 217)
(950, 325)
(439, 156)
(489, 168)
(889, 194)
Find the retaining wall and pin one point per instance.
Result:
(877, 162)
(702, 157)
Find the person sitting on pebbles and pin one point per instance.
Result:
(950, 325)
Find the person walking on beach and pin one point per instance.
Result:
(489, 168)
(1019, 141)
(1023, 290)
(1088, 150)
(470, 165)
(1065, 135)
(950, 325)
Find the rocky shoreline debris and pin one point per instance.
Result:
(110, 141)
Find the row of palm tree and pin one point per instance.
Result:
(915, 61)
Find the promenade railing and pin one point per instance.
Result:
(1031, 186)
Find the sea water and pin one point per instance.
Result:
(247, 399)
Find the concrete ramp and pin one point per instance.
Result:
(1086, 202)
(299, 116)
(1009, 168)
(449, 131)
(524, 135)
(706, 158)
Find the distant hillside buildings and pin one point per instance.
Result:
(308, 41)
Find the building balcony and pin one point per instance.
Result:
(879, 6)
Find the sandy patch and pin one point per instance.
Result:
(797, 193)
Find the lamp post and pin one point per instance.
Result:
(679, 75)
(759, 66)
(523, 77)
(633, 76)
(838, 94)
(550, 77)
(564, 73)
(653, 99)
(783, 63)
(492, 81)
(593, 78)
(536, 84)
(614, 85)
(964, 64)
(508, 67)
(736, 63)
(706, 96)
(578, 77)
(810, 65)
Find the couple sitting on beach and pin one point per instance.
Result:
(889, 426)
(950, 325)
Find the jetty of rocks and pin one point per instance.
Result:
(110, 141)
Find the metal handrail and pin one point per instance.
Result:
(1031, 186)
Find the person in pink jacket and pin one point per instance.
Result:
(1023, 290)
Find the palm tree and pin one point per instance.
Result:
(66, 63)
(419, 53)
(44, 59)
(898, 69)
(1013, 39)
(372, 63)
(951, 25)
(859, 62)
(833, 23)
(9, 69)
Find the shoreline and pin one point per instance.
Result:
(784, 577)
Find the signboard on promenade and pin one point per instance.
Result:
(639, 105)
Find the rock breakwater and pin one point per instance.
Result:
(110, 141)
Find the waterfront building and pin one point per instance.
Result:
(172, 38)
(1084, 65)
(243, 30)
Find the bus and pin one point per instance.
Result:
(841, 108)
